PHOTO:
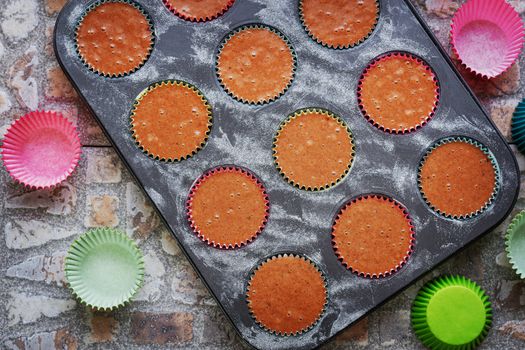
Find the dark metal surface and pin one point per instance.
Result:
(299, 221)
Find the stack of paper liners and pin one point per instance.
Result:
(398, 82)
(287, 294)
(313, 149)
(255, 64)
(114, 38)
(459, 183)
(227, 207)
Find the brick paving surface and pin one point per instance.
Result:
(173, 309)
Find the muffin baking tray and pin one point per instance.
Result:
(300, 221)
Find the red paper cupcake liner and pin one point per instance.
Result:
(373, 64)
(202, 18)
(41, 149)
(395, 268)
(189, 202)
(490, 17)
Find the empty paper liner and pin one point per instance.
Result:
(41, 149)
(487, 36)
(451, 313)
(104, 269)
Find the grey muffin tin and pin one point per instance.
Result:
(299, 221)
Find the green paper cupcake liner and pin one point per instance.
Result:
(104, 269)
(515, 243)
(451, 312)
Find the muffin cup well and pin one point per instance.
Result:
(200, 232)
(486, 151)
(365, 74)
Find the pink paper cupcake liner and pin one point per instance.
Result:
(487, 36)
(41, 149)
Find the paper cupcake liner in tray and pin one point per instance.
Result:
(41, 149)
(198, 16)
(295, 115)
(410, 244)
(274, 257)
(485, 150)
(444, 322)
(115, 74)
(200, 232)
(247, 27)
(377, 61)
(326, 44)
(104, 269)
(152, 88)
(489, 20)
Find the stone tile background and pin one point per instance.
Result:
(173, 309)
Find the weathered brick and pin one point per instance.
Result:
(58, 86)
(23, 308)
(61, 339)
(152, 328)
(510, 294)
(5, 102)
(153, 278)
(187, 288)
(501, 114)
(142, 218)
(217, 329)
(357, 334)
(102, 211)
(60, 200)
(441, 8)
(21, 80)
(46, 268)
(514, 328)
(54, 6)
(169, 244)
(103, 328)
(393, 326)
(19, 19)
(103, 166)
(507, 83)
(22, 234)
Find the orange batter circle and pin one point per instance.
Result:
(227, 207)
(171, 120)
(373, 235)
(339, 24)
(458, 177)
(198, 10)
(398, 93)
(287, 294)
(313, 149)
(114, 38)
(255, 64)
